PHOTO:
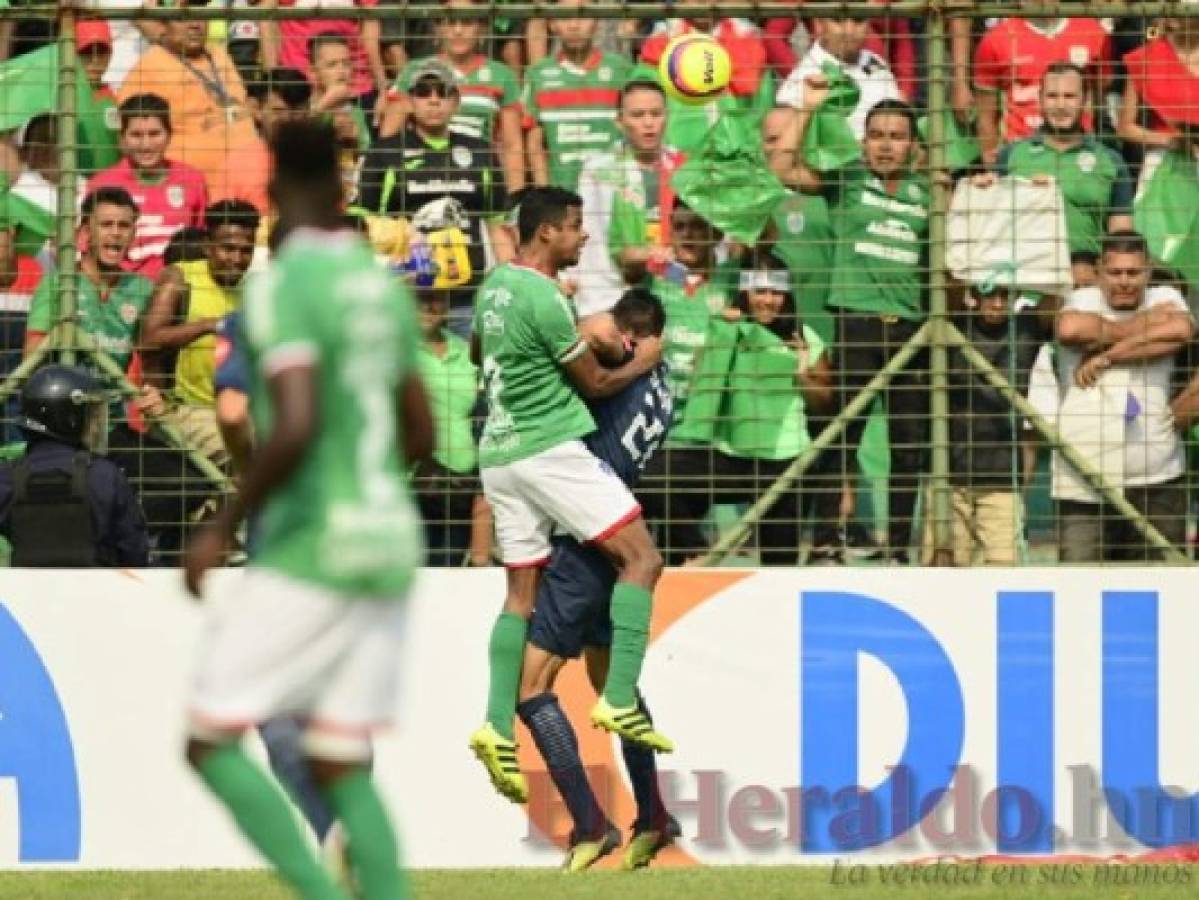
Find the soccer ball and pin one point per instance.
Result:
(695, 69)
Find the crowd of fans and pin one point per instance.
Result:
(773, 325)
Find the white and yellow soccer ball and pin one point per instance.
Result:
(695, 69)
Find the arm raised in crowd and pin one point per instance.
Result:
(816, 89)
(159, 328)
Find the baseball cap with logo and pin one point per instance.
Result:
(430, 68)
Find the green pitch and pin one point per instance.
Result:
(762, 883)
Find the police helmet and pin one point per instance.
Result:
(61, 402)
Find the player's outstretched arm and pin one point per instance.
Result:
(416, 419)
(594, 381)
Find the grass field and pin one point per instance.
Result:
(724, 883)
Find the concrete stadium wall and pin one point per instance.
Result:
(782, 689)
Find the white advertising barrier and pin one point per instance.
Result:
(883, 714)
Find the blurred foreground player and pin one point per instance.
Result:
(61, 506)
(315, 627)
(538, 474)
(573, 616)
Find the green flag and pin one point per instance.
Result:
(728, 183)
(829, 143)
(961, 147)
(1167, 214)
(34, 224)
(29, 87)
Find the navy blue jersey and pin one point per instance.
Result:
(232, 368)
(631, 425)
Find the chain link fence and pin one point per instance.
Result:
(927, 270)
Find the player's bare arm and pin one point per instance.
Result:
(594, 381)
(416, 420)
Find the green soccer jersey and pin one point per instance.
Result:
(576, 109)
(804, 242)
(345, 520)
(109, 319)
(694, 355)
(526, 328)
(879, 258)
(1093, 179)
(485, 86)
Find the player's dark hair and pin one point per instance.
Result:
(145, 106)
(1124, 242)
(307, 176)
(893, 107)
(186, 245)
(325, 39)
(639, 310)
(114, 196)
(544, 206)
(786, 324)
(640, 84)
(231, 212)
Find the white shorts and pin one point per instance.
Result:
(273, 645)
(565, 486)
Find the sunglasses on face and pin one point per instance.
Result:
(432, 89)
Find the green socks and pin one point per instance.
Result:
(505, 654)
(370, 838)
(266, 818)
(631, 607)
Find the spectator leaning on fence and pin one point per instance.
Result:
(169, 194)
(178, 329)
(1010, 61)
(1115, 365)
(211, 126)
(627, 202)
(880, 209)
(842, 44)
(1094, 180)
(570, 101)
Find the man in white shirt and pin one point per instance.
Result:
(1115, 363)
(841, 42)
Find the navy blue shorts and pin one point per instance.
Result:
(573, 601)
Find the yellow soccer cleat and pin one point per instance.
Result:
(585, 854)
(645, 845)
(631, 724)
(498, 756)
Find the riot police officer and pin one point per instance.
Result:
(62, 506)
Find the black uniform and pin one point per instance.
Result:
(63, 507)
(404, 172)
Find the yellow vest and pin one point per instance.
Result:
(196, 364)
